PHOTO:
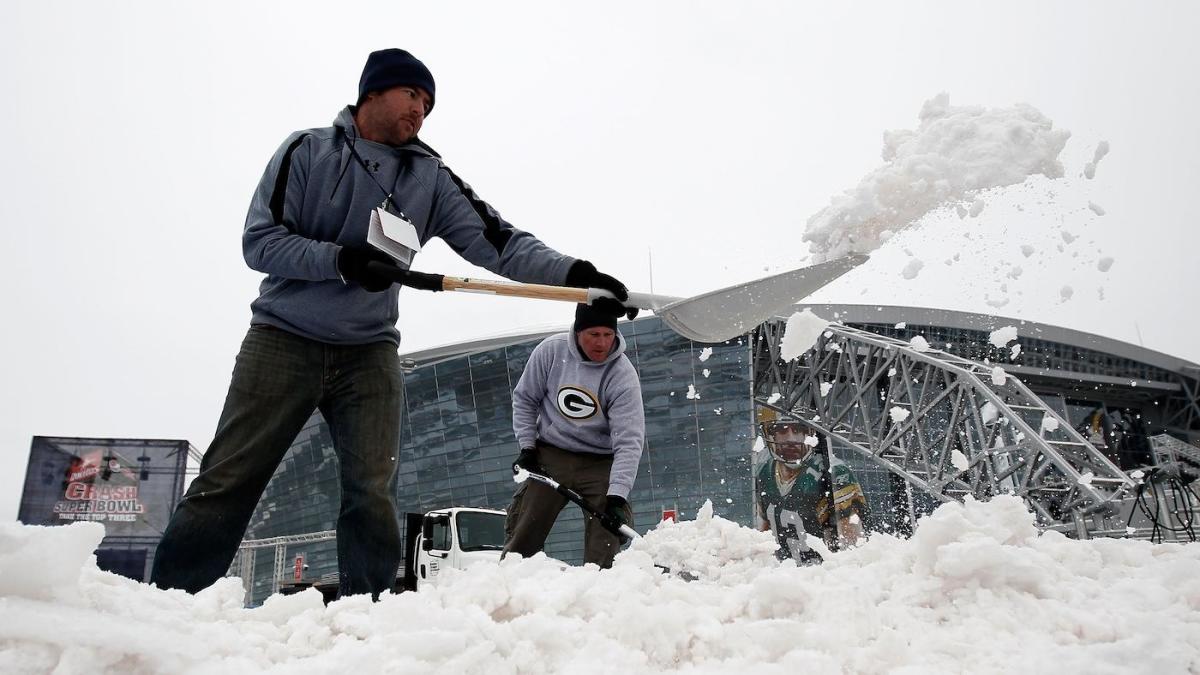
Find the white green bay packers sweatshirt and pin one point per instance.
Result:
(568, 401)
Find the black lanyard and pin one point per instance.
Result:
(387, 196)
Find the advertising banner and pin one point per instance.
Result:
(129, 485)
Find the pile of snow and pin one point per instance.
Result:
(976, 589)
(955, 152)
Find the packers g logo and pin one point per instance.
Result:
(575, 403)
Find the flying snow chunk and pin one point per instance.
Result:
(976, 208)
(919, 343)
(959, 460)
(705, 372)
(691, 392)
(901, 326)
(811, 441)
(989, 412)
(898, 414)
(774, 397)
(954, 151)
(705, 353)
(1096, 208)
(1027, 250)
(1089, 169)
(825, 388)
(1002, 336)
(1067, 236)
(1104, 263)
(912, 269)
(999, 377)
(801, 333)
(1086, 478)
(1015, 352)
(1065, 293)
(1049, 423)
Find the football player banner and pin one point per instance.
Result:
(798, 492)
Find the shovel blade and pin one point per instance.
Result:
(723, 314)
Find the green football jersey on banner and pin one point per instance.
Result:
(791, 510)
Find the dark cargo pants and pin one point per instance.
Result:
(278, 380)
(536, 506)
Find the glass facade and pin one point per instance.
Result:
(457, 445)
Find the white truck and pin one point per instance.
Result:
(435, 541)
(455, 538)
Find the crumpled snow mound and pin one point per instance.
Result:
(976, 589)
(709, 547)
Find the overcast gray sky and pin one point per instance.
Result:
(700, 134)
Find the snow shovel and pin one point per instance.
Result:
(715, 316)
(611, 524)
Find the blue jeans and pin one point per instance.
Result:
(278, 380)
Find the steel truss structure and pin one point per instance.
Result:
(947, 425)
(1183, 411)
(243, 563)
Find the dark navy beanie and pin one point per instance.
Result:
(587, 316)
(389, 68)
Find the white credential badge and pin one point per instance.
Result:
(394, 235)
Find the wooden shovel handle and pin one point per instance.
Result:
(437, 282)
(513, 289)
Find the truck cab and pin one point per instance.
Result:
(450, 538)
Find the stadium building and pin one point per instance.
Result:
(1069, 421)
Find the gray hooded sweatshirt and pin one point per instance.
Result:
(316, 196)
(576, 404)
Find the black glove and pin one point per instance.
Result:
(615, 511)
(584, 274)
(352, 266)
(528, 460)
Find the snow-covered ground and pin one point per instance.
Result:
(975, 590)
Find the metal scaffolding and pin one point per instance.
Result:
(947, 425)
(243, 563)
